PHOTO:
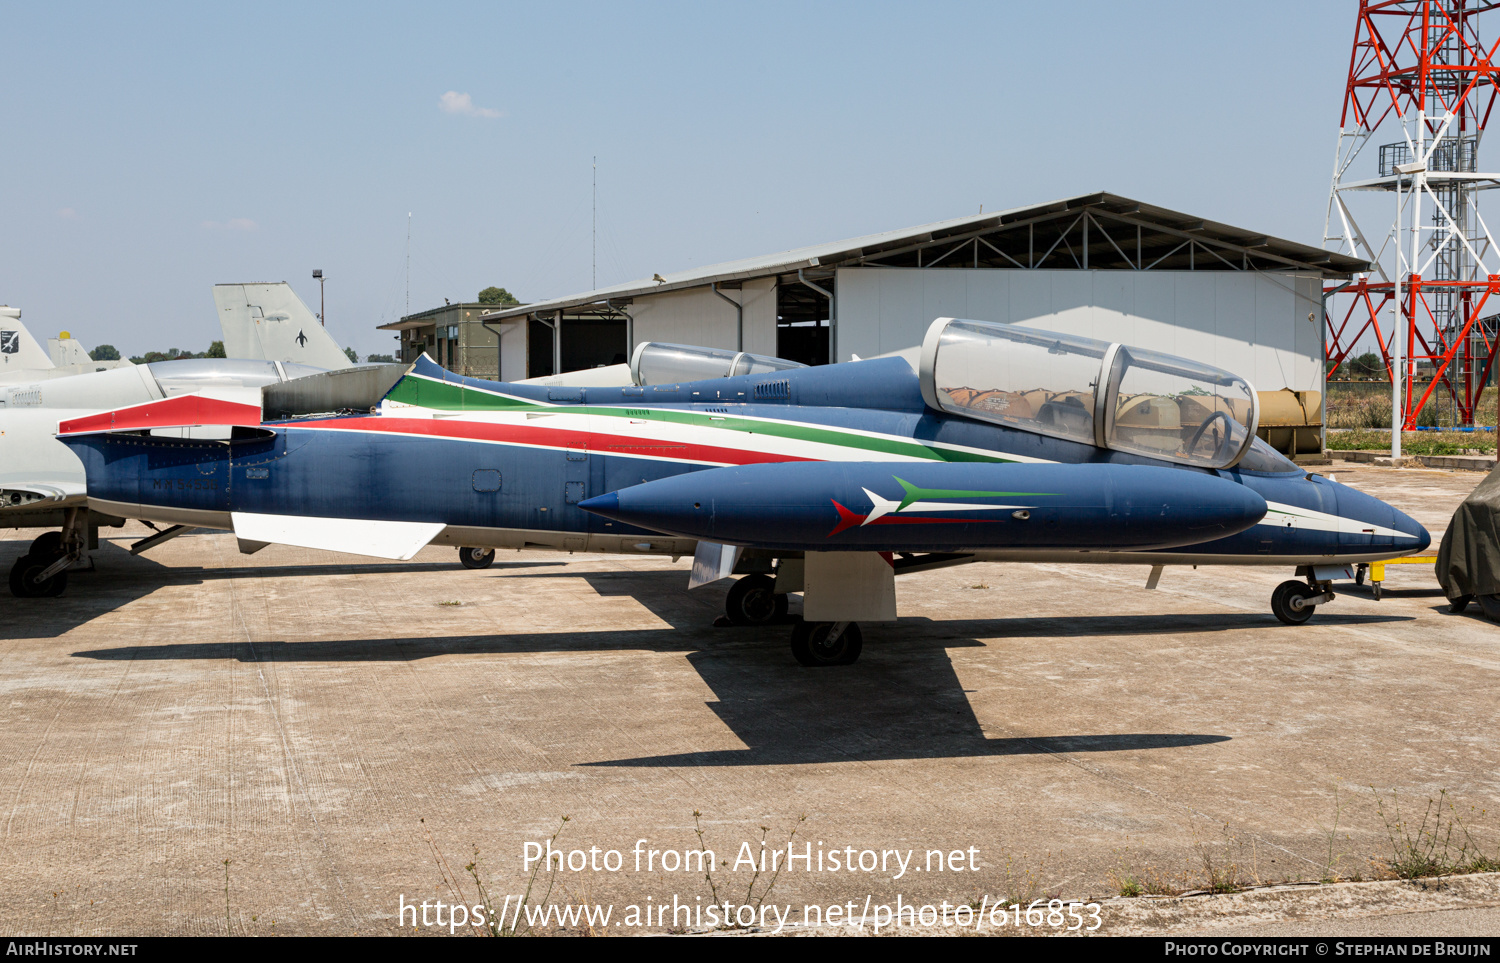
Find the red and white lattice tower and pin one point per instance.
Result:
(1421, 86)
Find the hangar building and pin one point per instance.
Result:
(1099, 265)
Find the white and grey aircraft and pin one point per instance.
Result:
(42, 482)
(22, 358)
(268, 321)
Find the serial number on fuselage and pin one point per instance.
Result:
(185, 484)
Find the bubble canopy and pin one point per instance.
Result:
(1105, 394)
(658, 363)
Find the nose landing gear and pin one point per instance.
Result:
(1293, 602)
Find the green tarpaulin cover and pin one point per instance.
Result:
(1468, 563)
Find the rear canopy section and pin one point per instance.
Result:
(1105, 394)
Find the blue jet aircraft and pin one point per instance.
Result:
(994, 442)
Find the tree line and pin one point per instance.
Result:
(108, 352)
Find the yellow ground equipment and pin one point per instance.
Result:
(1375, 571)
(1292, 422)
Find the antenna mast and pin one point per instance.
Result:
(594, 276)
(408, 262)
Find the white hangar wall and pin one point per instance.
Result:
(1251, 323)
(699, 316)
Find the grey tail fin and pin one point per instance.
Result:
(19, 351)
(67, 351)
(269, 322)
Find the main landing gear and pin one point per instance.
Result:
(753, 601)
(43, 571)
(476, 557)
(819, 644)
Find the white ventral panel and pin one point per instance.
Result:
(1254, 324)
(357, 536)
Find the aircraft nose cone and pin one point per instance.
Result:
(606, 505)
(1369, 523)
(1408, 525)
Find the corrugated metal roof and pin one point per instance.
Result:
(852, 251)
(422, 318)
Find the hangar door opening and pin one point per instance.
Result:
(802, 321)
(587, 342)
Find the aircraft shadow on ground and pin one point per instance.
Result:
(1394, 593)
(902, 700)
(119, 578)
(1473, 612)
(903, 704)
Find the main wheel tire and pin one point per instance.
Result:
(811, 648)
(753, 601)
(55, 585)
(1459, 604)
(1281, 602)
(23, 575)
(47, 543)
(476, 557)
(1491, 606)
(18, 588)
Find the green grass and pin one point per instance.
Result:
(1413, 442)
(1436, 844)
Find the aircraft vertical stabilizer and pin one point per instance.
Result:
(269, 322)
(65, 351)
(18, 349)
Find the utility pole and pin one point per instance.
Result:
(322, 307)
(408, 262)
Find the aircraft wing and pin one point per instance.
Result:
(203, 409)
(37, 475)
(21, 495)
(360, 536)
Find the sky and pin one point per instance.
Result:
(151, 151)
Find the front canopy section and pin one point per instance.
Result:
(1168, 407)
(657, 363)
(1108, 395)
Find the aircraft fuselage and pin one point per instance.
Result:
(506, 466)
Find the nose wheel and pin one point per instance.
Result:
(1293, 602)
